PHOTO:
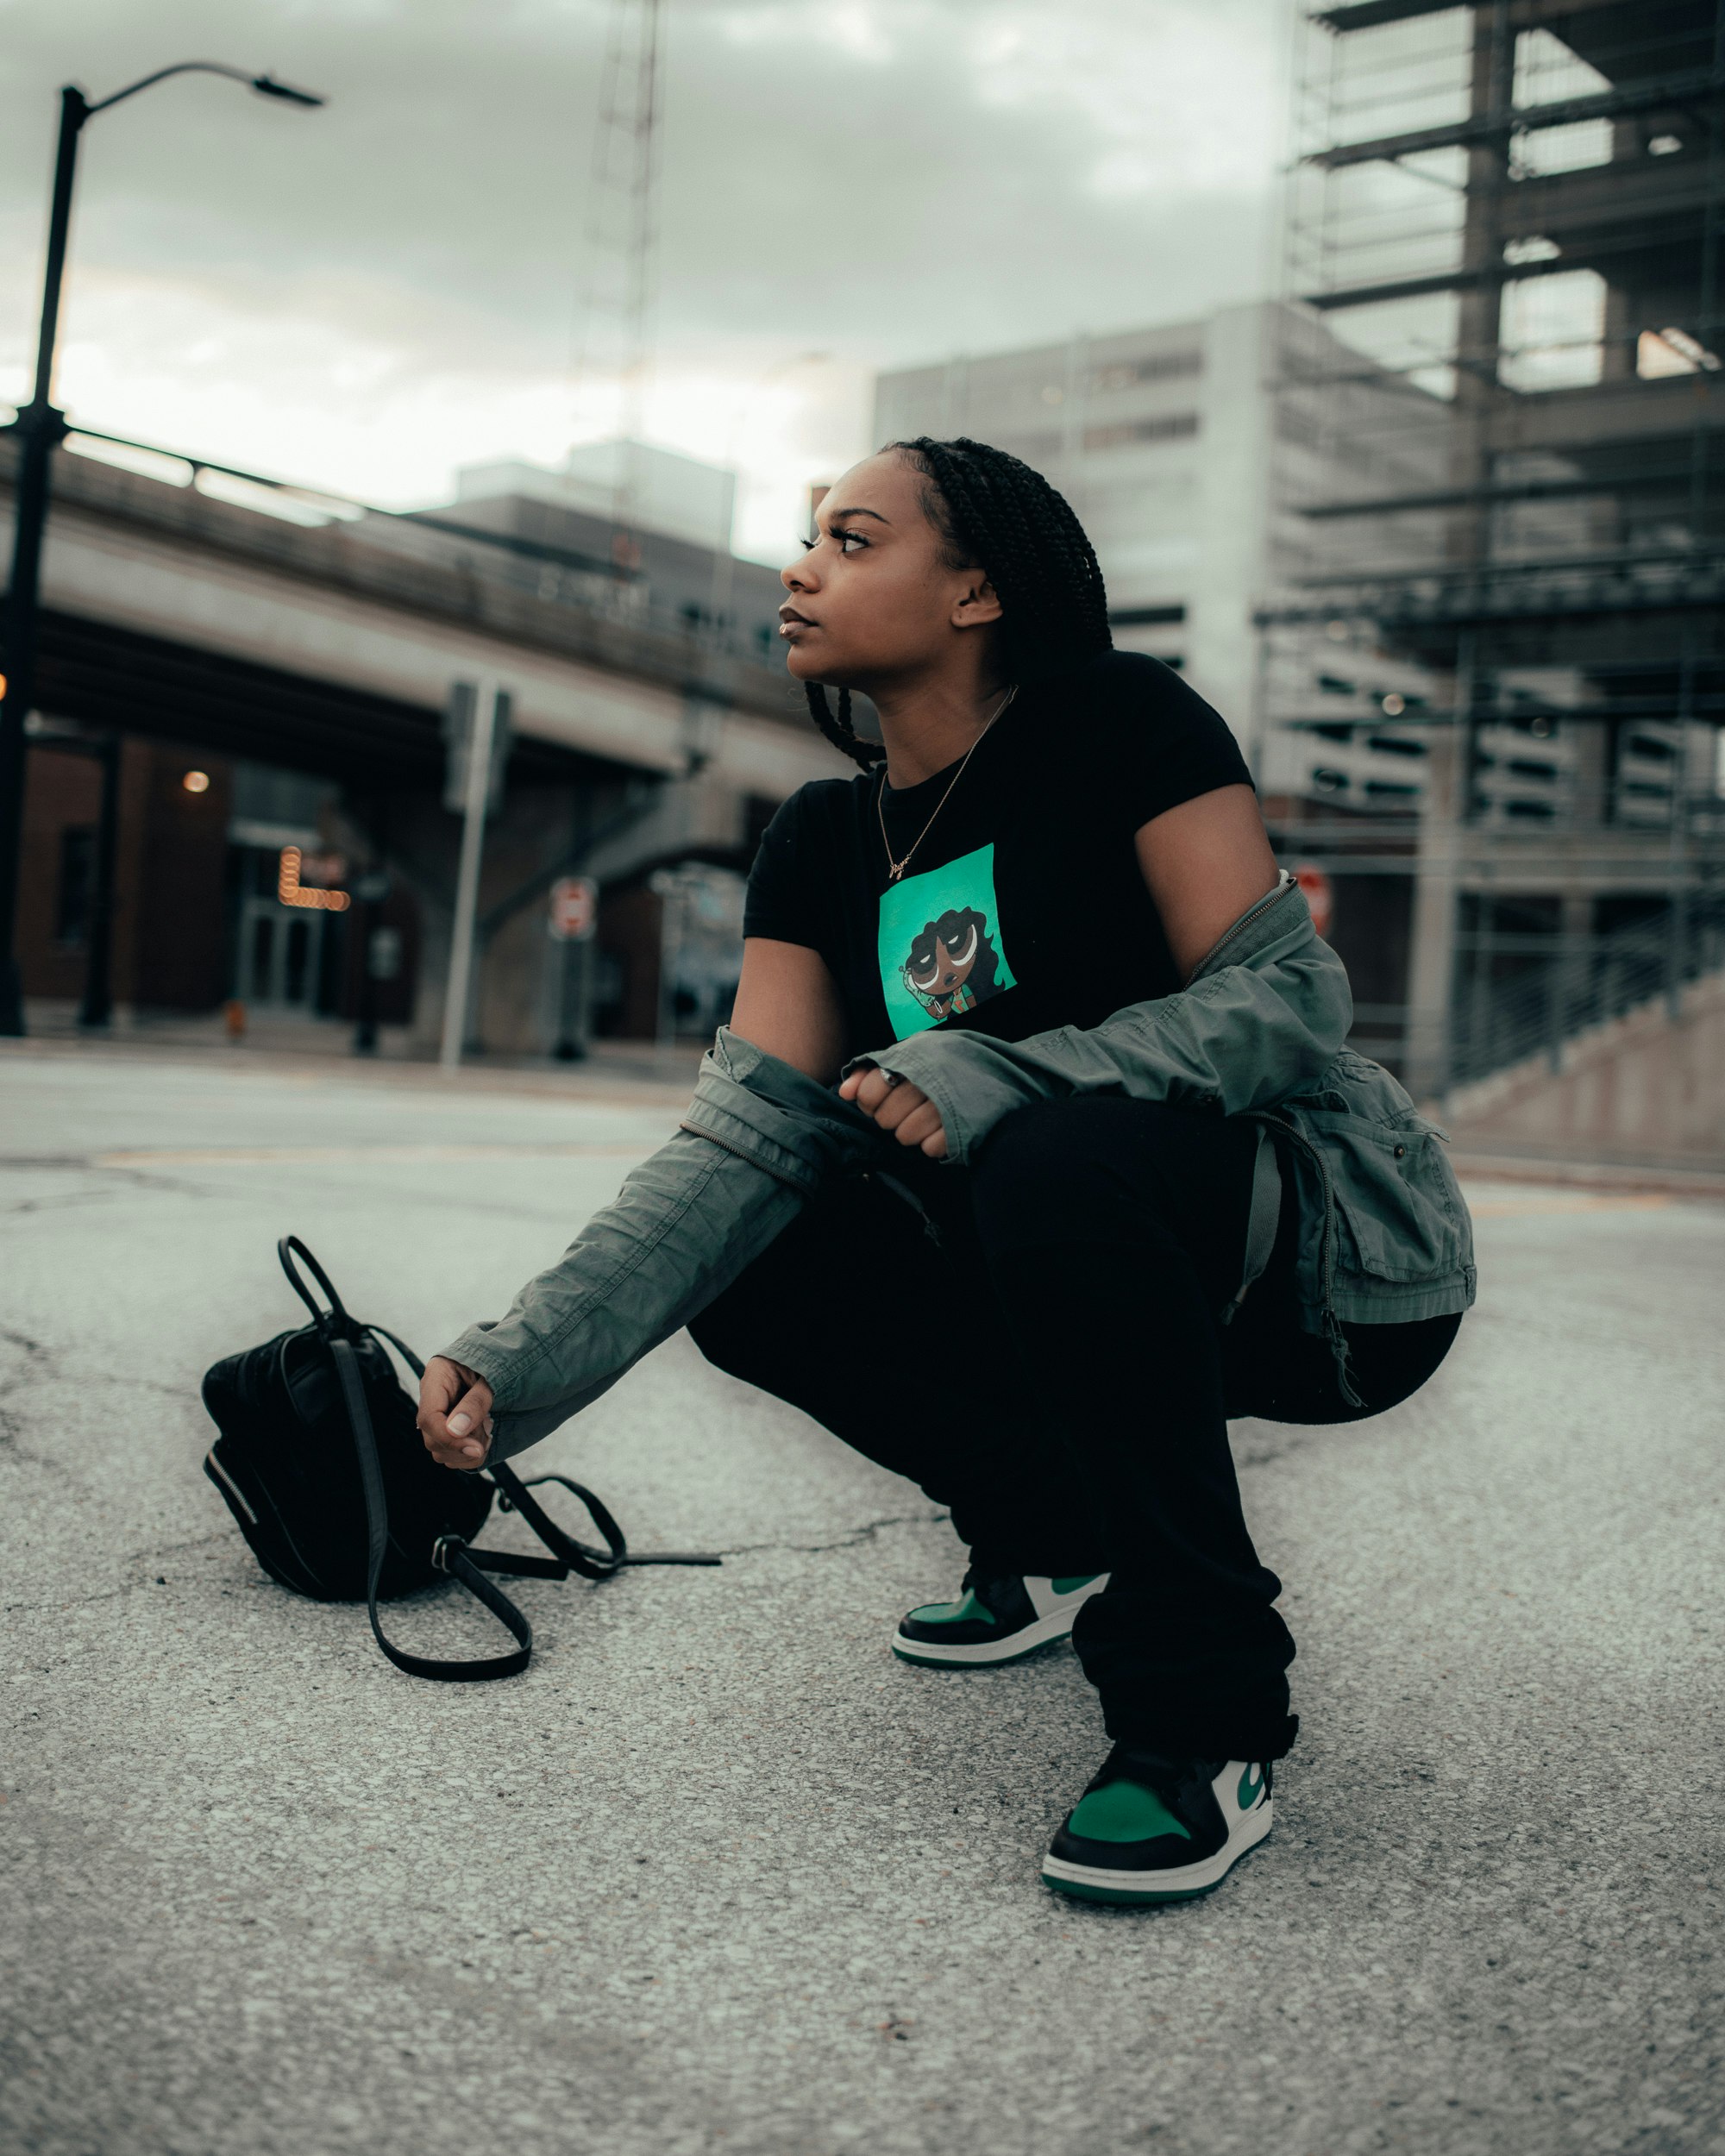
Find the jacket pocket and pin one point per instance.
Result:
(1399, 1214)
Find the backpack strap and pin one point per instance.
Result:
(570, 1554)
(567, 1555)
(1263, 1216)
(401, 1348)
(574, 1557)
(620, 1556)
(452, 1553)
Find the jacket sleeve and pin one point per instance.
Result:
(1264, 1015)
(685, 1223)
(759, 1139)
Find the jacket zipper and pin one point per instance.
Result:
(1212, 959)
(726, 1145)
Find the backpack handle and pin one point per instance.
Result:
(336, 1316)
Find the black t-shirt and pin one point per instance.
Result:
(1023, 908)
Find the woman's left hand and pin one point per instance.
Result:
(900, 1108)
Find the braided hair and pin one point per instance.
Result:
(991, 509)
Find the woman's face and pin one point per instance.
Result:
(872, 599)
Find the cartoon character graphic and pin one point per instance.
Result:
(941, 943)
(952, 964)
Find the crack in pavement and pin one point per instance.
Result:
(852, 1540)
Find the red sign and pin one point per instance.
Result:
(1320, 895)
(575, 909)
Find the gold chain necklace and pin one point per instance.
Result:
(896, 869)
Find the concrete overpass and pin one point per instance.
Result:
(328, 648)
(332, 648)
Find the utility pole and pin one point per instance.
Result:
(38, 430)
(475, 799)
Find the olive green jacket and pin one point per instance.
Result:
(1381, 1234)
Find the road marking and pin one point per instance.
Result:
(360, 1156)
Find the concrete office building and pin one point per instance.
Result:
(1163, 439)
(630, 504)
(1158, 438)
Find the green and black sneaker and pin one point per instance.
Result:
(1149, 1829)
(998, 1619)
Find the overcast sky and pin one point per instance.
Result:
(368, 296)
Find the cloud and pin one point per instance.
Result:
(386, 288)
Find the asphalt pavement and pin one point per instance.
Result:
(718, 1874)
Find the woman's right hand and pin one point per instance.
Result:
(454, 1413)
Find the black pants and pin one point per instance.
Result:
(1053, 1368)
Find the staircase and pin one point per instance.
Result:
(1615, 1052)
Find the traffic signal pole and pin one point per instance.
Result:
(476, 795)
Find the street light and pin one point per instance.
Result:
(39, 428)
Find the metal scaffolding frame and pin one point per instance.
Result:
(1499, 542)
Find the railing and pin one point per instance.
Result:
(560, 575)
(1566, 986)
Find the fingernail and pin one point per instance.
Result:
(461, 1424)
(471, 1451)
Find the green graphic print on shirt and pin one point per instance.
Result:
(940, 943)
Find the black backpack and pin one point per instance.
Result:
(320, 1464)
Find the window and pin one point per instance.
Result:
(1550, 329)
(1548, 71)
(77, 897)
(1155, 366)
(1147, 617)
(1172, 426)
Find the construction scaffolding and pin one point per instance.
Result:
(1494, 667)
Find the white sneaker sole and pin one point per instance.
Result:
(1093, 1883)
(1042, 1632)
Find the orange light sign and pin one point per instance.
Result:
(291, 892)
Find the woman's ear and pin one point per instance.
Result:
(977, 604)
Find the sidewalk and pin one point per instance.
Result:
(617, 1070)
(1624, 1176)
(718, 1875)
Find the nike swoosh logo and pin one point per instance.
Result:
(1249, 1791)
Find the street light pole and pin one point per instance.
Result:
(38, 430)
